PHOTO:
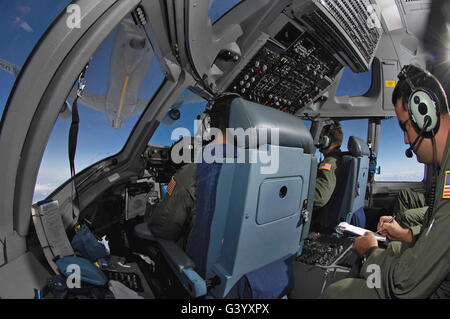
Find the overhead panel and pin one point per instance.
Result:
(351, 29)
(290, 71)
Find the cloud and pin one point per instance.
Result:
(405, 176)
(52, 173)
(44, 188)
(23, 12)
(26, 27)
(41, 191)
(23, 24)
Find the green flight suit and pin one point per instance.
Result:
(326, 181)
(420, 269)
(409, 209)
(408, 199)
(173, 217)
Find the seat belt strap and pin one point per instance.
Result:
(73, 137)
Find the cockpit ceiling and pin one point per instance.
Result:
(391, 14)
(415, 14)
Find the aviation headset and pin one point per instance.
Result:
(326, 139)
(423, 104)
(424, 111)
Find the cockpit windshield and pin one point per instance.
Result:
(23, 23)
(121, 78)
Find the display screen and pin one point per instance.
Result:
(288, 35)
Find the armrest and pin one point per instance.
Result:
(183, 266)
(175, 255)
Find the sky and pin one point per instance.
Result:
(23, 22)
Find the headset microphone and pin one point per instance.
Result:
(409, 152)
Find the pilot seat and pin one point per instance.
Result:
(252, 215)
(347, 202)
(326, 257)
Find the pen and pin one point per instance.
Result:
(389, 221)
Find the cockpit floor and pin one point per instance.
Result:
(129, 274)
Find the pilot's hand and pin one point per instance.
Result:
(383, 220)
(394, 231)
(364, 243)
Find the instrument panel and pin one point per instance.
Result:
(287, 73)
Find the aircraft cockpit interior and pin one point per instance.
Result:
(119, 96)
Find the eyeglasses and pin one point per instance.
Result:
(403, 125)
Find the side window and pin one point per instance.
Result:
(308, 124)
(356, 128)
(122, 77)
(190, 106)
(354, 84)
(394, 165)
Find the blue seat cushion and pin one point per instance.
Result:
(338, 202)
(272, 281)
(87, 245)
(359, 218)
(206, 176)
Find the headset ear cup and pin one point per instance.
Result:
(325, 142)
(423, 109)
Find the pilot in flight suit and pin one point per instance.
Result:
(415, 264)
(173, 218)
(409, 209)
(408, 199)
(327, 173)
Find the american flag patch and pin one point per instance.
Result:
(171, 186)
(446, 193)
(325, 166)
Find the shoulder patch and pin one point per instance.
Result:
(171, 186)
(446, 191)
(326, 166)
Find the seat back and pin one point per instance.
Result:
(359, 174)
(348, 197)
(255, 219)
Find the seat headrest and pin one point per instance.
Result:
(292, 130)
(357, 147)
